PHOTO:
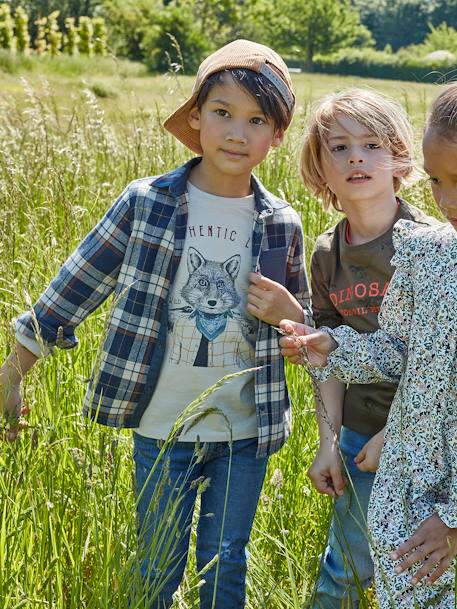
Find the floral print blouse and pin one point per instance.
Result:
(415, 346)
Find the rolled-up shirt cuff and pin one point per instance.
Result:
(38, 350)
(29, 326)
(324, 373)
(447, 513)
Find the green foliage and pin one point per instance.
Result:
(71, 37)
(304, 28)
(53, 34)
(445, 11)
(100, 35)
(67, 8)
(175, 41)
(6, 28)
(442, 37)
(404, 65)
(21, 22)
(179, 32)
(85, 32)
(395, 22)
(41, 44)
(128, 21)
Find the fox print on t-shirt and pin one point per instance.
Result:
(205, 330)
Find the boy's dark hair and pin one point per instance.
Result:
(258, 87)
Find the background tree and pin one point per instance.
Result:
(21, 27)
(6, 28)
(53, 34)
(128, 21)
(99, 26)
(397, 23)
(71, 37)
(175, 41)
(41, 44)
(445, 11)
(36, 9)
(304, 28)
(85, 32)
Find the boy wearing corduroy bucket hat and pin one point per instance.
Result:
(203, 260)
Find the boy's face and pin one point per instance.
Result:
(440, 162)
(357, 167)
(235, 135)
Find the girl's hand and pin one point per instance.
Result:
(304, 343)
(367, 460)
(433, 544)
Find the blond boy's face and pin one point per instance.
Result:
(357, 167)
(235, 135)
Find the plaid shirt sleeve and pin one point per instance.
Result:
(84, 281)
(297, 280)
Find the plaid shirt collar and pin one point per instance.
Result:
(176, 182)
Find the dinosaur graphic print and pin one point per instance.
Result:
(209, 331)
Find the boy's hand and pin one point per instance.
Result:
(12, 409)
(326, 472)
(433, 544)
(317, 344)
(270, 301)
(367, 460)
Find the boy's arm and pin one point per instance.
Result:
(84, 281)
(326, 469)
(367, 459)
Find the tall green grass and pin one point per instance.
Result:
(67, 507)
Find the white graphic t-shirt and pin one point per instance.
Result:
(209, 332)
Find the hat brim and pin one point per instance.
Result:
(178, 125)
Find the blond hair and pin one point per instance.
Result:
(443, 113)
(382, 116)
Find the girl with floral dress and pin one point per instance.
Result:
(412, 515)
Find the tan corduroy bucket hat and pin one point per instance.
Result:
(237, 54)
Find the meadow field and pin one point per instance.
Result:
(72, 135)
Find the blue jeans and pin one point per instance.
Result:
(347, 566)
(165, 509)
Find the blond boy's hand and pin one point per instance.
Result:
(367, 460)
(434, 545)
(316, 344)
(326, 472)
(270, 301)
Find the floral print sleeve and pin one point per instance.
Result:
(447, 510)
(381, 355)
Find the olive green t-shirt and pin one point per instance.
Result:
(348, 284)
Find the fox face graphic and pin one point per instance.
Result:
(209, 331)
(210, 288)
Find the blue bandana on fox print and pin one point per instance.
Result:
(211, 326)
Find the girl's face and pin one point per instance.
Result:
(440, 162)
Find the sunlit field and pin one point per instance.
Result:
(72, 135)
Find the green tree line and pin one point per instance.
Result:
(178, 33)
(87, 37)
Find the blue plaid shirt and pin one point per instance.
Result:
(134, 252)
